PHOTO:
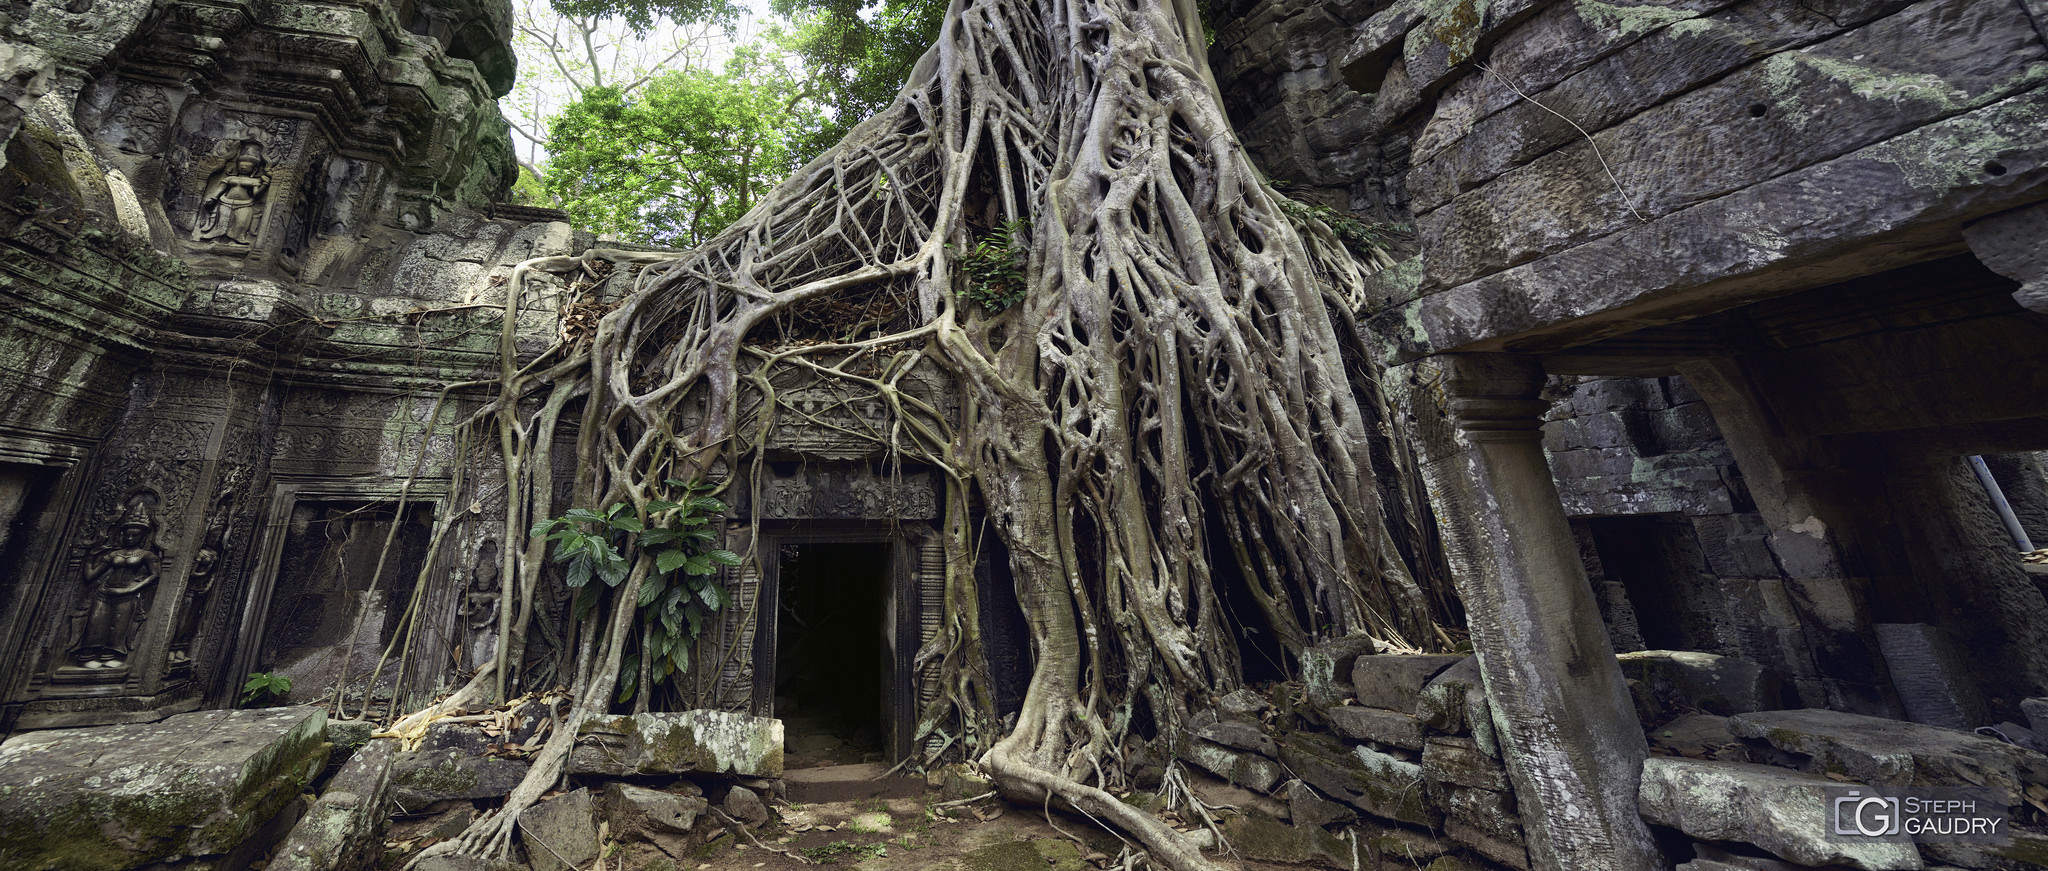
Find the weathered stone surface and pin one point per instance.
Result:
(743, 805)
(1883, 752)
(1242, 703)
(340, 831)
(1395, 681)
(192, 786)
(560, 834)
(710, 742)
(1379, 726)
(450, 764)
(1455, 703)
(2037, 714)
(1509, 851)
(1716, 684)
(1306, 807)
(1244, 768)
(1769, 807)
(1931, 677)
(1373, 782)
(2011, 244)
(1266, 839)
(638, 811)
(1459, 761)
(1240, 735)
(1326, 667)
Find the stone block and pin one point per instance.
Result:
(450, 764)
(1263, 838)
(1883, 752)
(1717, 684)
(1734, 545)
(1376, 783)
(1244, 768)
(1933, 680)
(1455, 703)
(1512, 852)
(2037, 714)
(1325, 667)
(1483, 809)
(1239, 735)
(341, 830)
(745, 805)
(560, 834)
(707, 742)
(1391, 728)
(636, 811)
(1460, 761)
(1394, 681)
(1771, 808)
(188, 787)
(1306, 807)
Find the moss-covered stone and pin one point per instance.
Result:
(116, 797)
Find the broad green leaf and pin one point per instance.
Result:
(670, 560)
(724, 557)
(629, 523)
(579, 571)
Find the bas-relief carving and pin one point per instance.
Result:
(120, 577)
(855, 493)
(231, 208)
(207, 563)
(224, 167)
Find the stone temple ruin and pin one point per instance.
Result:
(1722, 338)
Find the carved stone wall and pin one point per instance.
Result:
(242, 247)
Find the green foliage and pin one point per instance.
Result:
(1371, 241)
(528, 190)
(995, 267)
(858, 53)
(831, 854)
(676, 598)
(265, 688)
(686, 154)
(643, 14)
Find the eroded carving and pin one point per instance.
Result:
(231, 208)
(119, 580)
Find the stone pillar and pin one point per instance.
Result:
(1569, 732)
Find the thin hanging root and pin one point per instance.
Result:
(1180, 362)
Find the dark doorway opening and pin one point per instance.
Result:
(832, 664)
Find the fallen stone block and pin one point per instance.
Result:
(744, 806)
(636, 811)
(1326, 667)
(1454, 703)
(1261, 837)
(188, 787)
(1306, 807)
(702, 741)
(1374, 782)
(1239, 735)
(341, 831)
(1391, 728)
(1716, 684)
(1772, 808)
(450, 765)
(1459, 761)
(1244, 768)
(1394, 681)
(1883, 752)
(1512, 852)
(560, 834)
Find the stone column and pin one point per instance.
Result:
(1569, 732)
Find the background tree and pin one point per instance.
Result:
(687, 153)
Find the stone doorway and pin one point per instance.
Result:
(839, 680)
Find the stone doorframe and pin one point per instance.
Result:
(285, 495)
(902, 629)
(43, 559)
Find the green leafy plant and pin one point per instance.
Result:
(265, 688)
(1371, 241)
(676, 598)
(995, 267)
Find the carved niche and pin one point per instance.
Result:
(231, 209)
(120, 576)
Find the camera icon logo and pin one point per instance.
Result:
(1872, 816)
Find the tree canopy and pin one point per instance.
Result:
(683, 156)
